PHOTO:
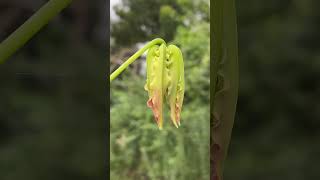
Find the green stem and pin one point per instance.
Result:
(25, 32)
(225, 62)
(134, 57)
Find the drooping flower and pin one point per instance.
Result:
(165, 81)
(165, 78)
(155, 61)
(175, 76)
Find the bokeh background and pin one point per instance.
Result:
(277, 129)
(138, 150)
(53, 94)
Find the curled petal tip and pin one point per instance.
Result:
(175, 124)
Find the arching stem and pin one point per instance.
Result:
(134, 57)
(25, 32)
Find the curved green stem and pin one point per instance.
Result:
(134, 57)
(19, 37)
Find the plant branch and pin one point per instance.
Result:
(25, 32)
(134, 57)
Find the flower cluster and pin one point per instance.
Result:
(165, 81)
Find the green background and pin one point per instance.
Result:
(138, 150)
(276, 134)
(53, 95)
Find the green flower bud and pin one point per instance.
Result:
(175, 92)
(154, 85)
(165, 80)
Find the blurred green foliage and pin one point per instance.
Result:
(277, 128)
(52, 96)
(141, 20)
(138, 150)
